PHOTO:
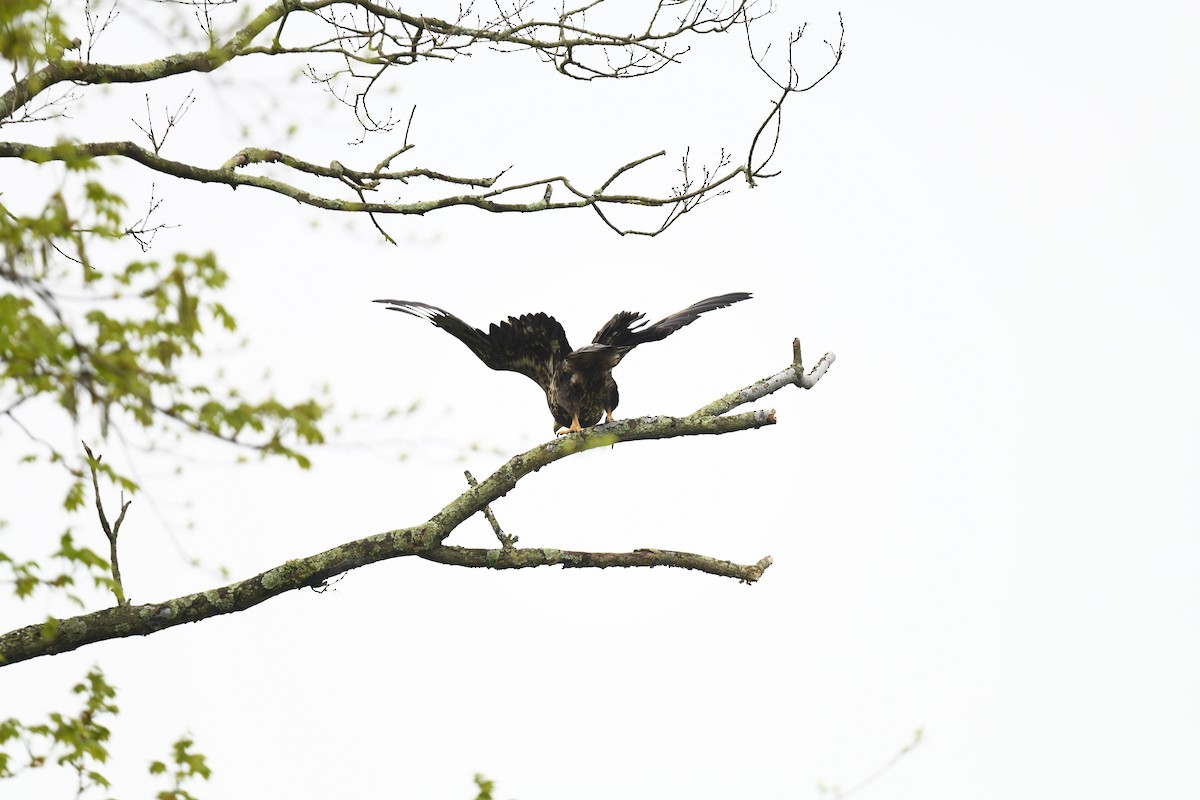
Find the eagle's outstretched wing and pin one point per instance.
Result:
(621, 331)
(531, 344)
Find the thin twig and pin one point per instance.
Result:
(506, 541)
(111, 532)
(908, 748)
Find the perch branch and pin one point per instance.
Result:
(427, 540)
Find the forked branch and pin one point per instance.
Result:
(110, 531)
(427, 540)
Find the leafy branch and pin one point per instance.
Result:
(121, 354)
(80, 742)
(427, 540)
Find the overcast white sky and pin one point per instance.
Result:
(984, 519)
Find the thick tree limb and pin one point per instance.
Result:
(427, 539)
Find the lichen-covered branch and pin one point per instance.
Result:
(794, 374)
(522, 558)
(426, 540)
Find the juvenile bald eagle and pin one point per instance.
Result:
(579, 385)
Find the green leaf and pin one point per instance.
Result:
(485, 787)
(74, 498)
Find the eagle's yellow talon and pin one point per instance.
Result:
(575, 428)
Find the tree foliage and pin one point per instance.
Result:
(79, 743)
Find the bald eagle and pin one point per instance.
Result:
(579, 385)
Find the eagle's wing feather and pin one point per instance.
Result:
(621, 333)
(531, 344)
(595, 359)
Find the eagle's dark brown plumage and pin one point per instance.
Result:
(579, 385)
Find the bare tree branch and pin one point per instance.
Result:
(368, 39)
(379, 36)
(427, 540)
(522, 558)
(683, 200)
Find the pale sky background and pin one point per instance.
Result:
(984, 519)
